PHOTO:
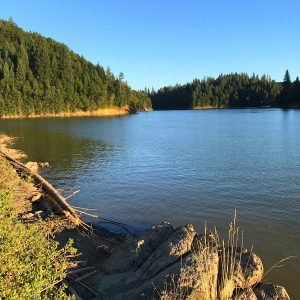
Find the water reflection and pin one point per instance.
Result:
(71, 158)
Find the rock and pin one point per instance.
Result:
(140, 264)
(103, 250)
(199, 275)
(251, 270)
(44, 164)
(174, 269)
(33, 166)
(270, 291)
(245, 270)
(194, 276)
(133, 252)
(28, 216)
(202, 241)
(206, 259)
(171, 264)
(36, 197)
(170, 251)
(39, 214)
(245, 294)
(41, 208)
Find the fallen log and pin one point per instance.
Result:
(66, 209)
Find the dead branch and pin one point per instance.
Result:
(81, 270)
(67, 210)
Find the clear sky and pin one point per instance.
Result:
(163, 42)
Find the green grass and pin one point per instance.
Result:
(32, 266)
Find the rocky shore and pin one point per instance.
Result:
(168, 263)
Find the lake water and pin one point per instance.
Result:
(183, 167)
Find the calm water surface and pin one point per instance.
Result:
(183, 167)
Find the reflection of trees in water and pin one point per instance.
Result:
(67, 155)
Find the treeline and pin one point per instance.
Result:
(40, 76)
(233, 90)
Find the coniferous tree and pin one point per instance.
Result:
(286, 89)
(295, 93)
(287, 80)
(39, 75)
(233, 90)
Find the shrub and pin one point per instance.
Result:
(31, 265)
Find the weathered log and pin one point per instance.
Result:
(67, 210)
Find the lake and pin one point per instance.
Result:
(183, 167)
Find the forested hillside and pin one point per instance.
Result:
(41, 76)
(233, 90)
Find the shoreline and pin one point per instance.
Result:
(206, 107)
(101, 112)
(233, 107)
(117, 111)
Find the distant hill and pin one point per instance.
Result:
(41, 76)
(232, 90)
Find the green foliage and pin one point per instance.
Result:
(287, 80)
(290, 94)
(40, 76)
(31, 265)
(233, 90)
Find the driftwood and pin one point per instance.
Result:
(85, 213)
(85, 276)
(66, 209)
(72, 195)
(81, 270)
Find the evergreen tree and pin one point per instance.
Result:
(287, 80)
(39, 75)
(286, 92)
(232, 90)
(295, 93)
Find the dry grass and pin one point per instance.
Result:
(101, 112)
(230, 259)
(175, 289)
(22, 189)
(6, 143)
(210, 287)
(204, 107)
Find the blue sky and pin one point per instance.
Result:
(160, 42)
